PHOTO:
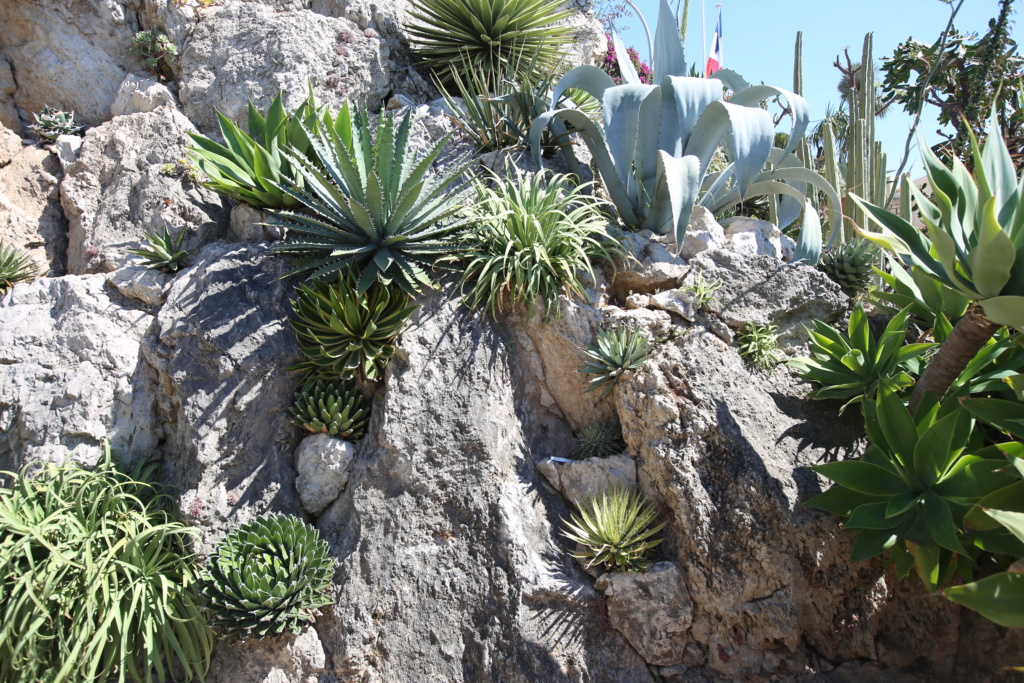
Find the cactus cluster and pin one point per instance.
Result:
(598, 440)
(849, 266)
(331, 406)
(266, 577)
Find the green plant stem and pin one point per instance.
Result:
(962, 344)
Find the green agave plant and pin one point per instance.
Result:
(371, 204)
(657, 141)
(615, 530)
(598, 440)
(531, 237)
(15, 267)
(268, 576)
(935, 306)
(96, 580)
(492, 35)
(853, 365)
(251, 167)
(914, 486)
(347, 333)
(52, 123)
(163, 252)
(331, 406)
(616, 352)
(849, 265)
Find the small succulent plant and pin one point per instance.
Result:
(52, 123)
(703, 292)
(849, 266)
(267, 576)
(331, 406)
(163, 252)
(615, 529)
(759, 345)
(615, 352)
(598, 440)
(156, 50)
(14, 267)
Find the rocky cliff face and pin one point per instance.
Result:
(445, 520)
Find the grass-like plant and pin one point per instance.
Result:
(331, 406)
(371, 204)
(531, 237)
(345, 332)
(163, 252)
(703, 292)
(52, 123)
(96, 581)
(268, 576)
(251, 167)
(759, 345)
(491, 34)
(616, 352)
(15, 267)
(616, 530)
(598, 440)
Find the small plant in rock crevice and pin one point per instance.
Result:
(15, 267)
(759, 345)
(703, 292)
(156, 51)
(332, 406)
(615, 530)
(614, 353)
(163, 252)
(52, 123)
(598, 440)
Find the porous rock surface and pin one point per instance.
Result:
(322, 462)
(119, 189)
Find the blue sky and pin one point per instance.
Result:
(758, 40)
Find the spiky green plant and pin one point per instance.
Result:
(267, 576)
(251, 167)
(849, 265)
(52, 123)
(491, 34)
(347, 333)
(372, 204)
(703, 291)
(616, 352)
(615, 530)
(96, 580)
(331, 406)
(163, 252)
(759, 345)
(15, 267)
(598, 440)
(531, 237)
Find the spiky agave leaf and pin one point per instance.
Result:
(615, 530)
(52, 123)
(268, 576)
(163, 252)
(14, 267)
(615, 352)
(345, 332)
(371, 204)
(331, 406)
(598, 440)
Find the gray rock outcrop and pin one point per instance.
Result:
(580, 480)
(322, 462)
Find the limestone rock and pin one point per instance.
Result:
(139, 94)
(702, 233)
(246, 51)
(283, 659)
(67, 147)
(220, 347)
(451, 566)
(118, 190)
(652, 609)
(30, 213)
(751, 237)
(140, 282)
(580, 480)
(656, 267)
(69, 54)
(763, 290)
(249, 224)
(322, 462)
(8, 111)
(70, 373)
(676, 301)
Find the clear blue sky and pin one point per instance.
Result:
(758, 39)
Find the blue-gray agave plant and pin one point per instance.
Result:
(656, 142)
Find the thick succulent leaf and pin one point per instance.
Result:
(841, 501)
(993, 254)
(902, 238)
(1013, 521)
(675, 191)
(799, 109)
(749, 142)
(808, 245)
(669, 58)
(1005, 310)
(871, 543)
(731, 80)
(588, 78)
(626, 68)
(999, 598)
(862, 477)
(621, 109)
(690, 97)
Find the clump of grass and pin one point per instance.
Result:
(759, 345)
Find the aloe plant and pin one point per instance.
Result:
(615, 530)
(162, 251)
(656, 142)
(15, 267)
(615, 353)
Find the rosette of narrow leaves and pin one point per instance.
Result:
(849, 266)
(268, 576)
(615, 530)
(52, 123)
(851, 366)
(491, 35)
(331, 406)
(531, 237)
(250, 167)
(15, 267)
(347, 333)
(759, 345)
(912, 489)
(598, 440)
(96, 580)
(370, 204)
(616, 352)
(932, 304)
(163, 252)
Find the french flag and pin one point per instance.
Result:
(715, 58)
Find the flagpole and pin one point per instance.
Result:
(719, 8)
(703, 35)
